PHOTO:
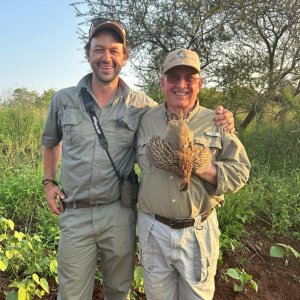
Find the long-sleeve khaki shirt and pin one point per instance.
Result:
(159, 191)
(87, 174)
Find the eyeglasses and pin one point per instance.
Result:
(99, 20)
(174, 78)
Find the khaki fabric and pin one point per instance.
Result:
(159, 191)
(87, 234)
(87, 174)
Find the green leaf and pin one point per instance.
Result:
(2, 237)
(295, 252)
(36, 278)
(19, 235)
(11, 295)
(254, 285)
(237, 288)
(22, 293)
(276, 251)
(11, 224)
(53, 266)
(3, 263)
(233, 273)
(9, 254)
(44, 285)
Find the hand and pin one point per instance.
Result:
(224, 117)
(54, 197)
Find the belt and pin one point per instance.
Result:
(81, 204)
(182, 223)
(176, 223)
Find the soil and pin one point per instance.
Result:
(275, 280)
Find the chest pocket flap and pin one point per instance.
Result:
(210, 141)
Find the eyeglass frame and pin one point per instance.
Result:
(185, 78)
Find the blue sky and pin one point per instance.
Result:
(40, 48)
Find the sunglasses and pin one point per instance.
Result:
(174, 78)
(99, 20)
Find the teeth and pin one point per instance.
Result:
(105, 67)
(180, 94)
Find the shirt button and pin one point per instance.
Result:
(173, 200)
(171, 177)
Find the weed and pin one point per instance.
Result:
(283, 251)
(243, 278)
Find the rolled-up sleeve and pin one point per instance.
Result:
(52, 132)
(232, 164)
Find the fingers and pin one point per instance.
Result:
(54, 197)
(219, 109)
(225, 118)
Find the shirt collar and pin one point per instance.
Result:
(121, 93)
(188, 116)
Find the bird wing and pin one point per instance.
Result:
(162, 155)
(201, 158)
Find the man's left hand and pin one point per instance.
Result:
(224, 117)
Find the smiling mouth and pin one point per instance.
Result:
(105, 67)
(181, 93)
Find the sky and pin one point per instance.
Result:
(40, 48)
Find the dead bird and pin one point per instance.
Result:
(176, 152)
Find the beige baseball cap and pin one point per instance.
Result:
(182, 57)
(104, 23)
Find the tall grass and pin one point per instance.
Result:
(21, 193)
(20, 137)
(272, 193)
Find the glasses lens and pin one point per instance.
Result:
(174, 78)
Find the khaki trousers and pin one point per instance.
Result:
(179, 263)
(108, 231)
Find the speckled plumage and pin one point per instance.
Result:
(177, 153)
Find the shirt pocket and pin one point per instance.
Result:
(70, 122)
(143, 159)
(126, 129)
(214, 143)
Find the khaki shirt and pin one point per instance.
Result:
(159, 191)
(87, 174)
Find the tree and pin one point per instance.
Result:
(264, 54)
(22, 96)
(156, 27)
(250, 49)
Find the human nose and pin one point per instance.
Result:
(106, 55)
(181, 82)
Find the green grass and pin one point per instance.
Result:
(272, 193)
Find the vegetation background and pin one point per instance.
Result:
(250, 54)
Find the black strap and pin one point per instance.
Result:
(88, 102)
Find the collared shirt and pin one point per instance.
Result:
(160, 189)
(87, 173)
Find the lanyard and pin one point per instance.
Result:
(88, 102)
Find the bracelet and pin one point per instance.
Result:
(45, 181)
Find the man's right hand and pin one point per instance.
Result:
(54, 197)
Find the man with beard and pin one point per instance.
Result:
(92, 218)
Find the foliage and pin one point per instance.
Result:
(244, 279)
(249, 49)
(22, 258)
(283, 251)
(24, 97)
(272, 193)
(138, 282)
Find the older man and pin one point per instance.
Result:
(178, 230)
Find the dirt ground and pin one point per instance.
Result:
(275, 280)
